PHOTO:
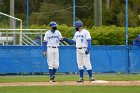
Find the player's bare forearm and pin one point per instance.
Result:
(44, 53)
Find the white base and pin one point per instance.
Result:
(100, 81)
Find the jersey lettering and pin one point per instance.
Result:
(50, 37)
(79, 36)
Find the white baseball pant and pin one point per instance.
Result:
(83, 59)
(53, 57)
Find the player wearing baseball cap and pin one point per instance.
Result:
(51, 49)
(82, 39)
(137, 41)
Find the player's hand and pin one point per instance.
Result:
(87, 51)
(44, 53)
(64, 38)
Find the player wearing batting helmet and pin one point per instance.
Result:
(137, 41)
(82, 39)
(51, 49)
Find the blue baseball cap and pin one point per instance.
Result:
(78, 24)
(139, 36)
(53, 24)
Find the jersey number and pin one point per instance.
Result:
(81, 40)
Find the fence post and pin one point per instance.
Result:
(41, 37)
(20, 40)
(127, 46)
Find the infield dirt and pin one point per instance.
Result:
(73, 83)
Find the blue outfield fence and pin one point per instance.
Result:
(134, 58)
(19, 59)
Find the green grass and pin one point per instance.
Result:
(71, 89)
(45, 78)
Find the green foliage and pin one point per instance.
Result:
(35, 26)
(4, 23)
(108, 35)
(66, 30)
(133, 32)
(48, 12)
(133, 18)
(88, 22)
(105, 35)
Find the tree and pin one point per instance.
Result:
(112, 10)
(51, 12)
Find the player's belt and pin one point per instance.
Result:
(80, 47)
(52, 47)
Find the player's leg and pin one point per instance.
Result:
(50, 59)
(54, 71)
(87, 63)
(56, 58)
(56, 61)
(80, 65)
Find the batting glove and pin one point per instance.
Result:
(87, 51)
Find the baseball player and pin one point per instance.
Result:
(82, 39)
(51, 44)
(136, 41)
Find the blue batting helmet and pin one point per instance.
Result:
(53, 24)
(78, 24)
(139, 36)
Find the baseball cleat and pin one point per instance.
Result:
(92, 79)
(52, 79)
(80, 80)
